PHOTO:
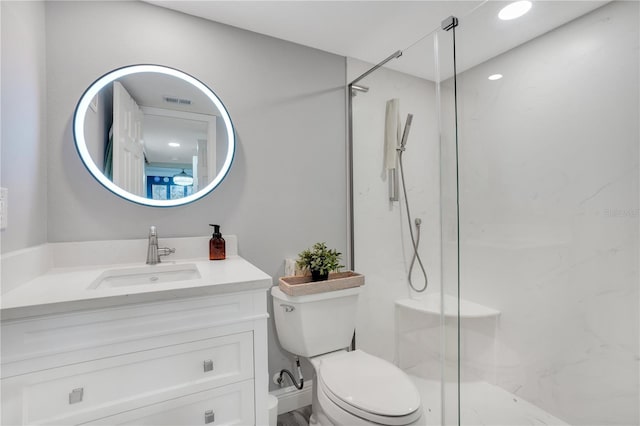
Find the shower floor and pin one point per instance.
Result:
(483, 404)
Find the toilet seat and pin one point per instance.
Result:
(369, 388)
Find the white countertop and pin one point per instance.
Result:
(65, 289)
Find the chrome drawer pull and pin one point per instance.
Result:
(76, 395)
(208, 365)
(209, 416)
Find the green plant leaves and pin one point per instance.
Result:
(319, 258)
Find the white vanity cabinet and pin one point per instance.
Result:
(180, 361)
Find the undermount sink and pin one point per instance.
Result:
(149, 274)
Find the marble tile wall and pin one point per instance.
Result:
(549, 220)
(382, 243)
(549, 215)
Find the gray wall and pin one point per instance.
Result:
(287, 187)
(24, 146)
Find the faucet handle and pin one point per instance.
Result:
(165, 251)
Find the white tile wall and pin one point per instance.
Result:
(549, 219)
(549, 207)
(382, 243)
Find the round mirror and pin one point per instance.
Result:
(154, 135)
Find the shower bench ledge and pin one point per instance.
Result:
(430, 304)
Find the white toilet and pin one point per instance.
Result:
(349, 388)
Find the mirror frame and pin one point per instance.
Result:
(81, 145)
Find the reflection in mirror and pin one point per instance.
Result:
(154, 135)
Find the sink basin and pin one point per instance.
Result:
(148, 274)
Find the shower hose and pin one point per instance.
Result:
(414, 241)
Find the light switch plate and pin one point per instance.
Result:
(4, 208)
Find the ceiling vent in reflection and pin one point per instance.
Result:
(174, 100)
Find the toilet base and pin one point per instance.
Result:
(320, 420)
(318, 417)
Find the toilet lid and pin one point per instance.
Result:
(370, 387)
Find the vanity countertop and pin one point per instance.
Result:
(67, 289)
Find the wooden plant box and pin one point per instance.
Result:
(302, 285)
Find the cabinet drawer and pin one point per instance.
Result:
(228, 405)
(111, 385)
(56, 340)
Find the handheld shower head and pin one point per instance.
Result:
(407, 128)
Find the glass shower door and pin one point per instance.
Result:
(548, 191)
(400, 315)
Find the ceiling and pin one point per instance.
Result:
(372, 30)
(186, 125)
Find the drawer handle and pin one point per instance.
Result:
(209, 416)
(208, 365)
(76, 395)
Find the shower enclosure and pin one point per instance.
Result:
(522, 166)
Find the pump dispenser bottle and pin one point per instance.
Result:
(217, 248)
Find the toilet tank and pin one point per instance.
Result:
(315, 324)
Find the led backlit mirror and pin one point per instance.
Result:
(154, 135)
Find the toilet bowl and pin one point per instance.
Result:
(356, 388)
(349, 388)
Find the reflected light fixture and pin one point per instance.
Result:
(183, 179)
(495, 77)
(174, 144)
(514, 10)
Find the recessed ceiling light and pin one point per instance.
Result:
(495, 76)
(174, 144)
(514, 10)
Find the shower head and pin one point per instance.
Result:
(407, 128)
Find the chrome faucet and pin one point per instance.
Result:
(153, 252)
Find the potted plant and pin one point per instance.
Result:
(319, 260)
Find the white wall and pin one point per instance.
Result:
(383, 247)
(286, 189)
(549, 206)
(23, 122)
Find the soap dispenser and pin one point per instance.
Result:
(217, 247)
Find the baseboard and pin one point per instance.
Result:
(290, 398)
